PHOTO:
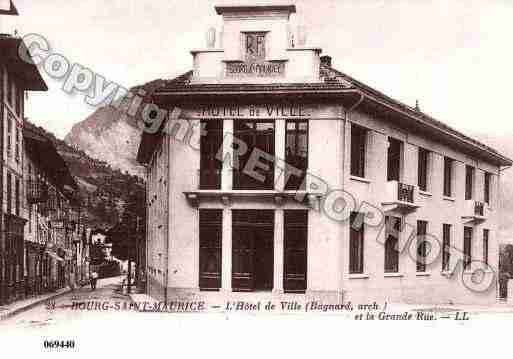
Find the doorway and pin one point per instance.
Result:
(252, 250)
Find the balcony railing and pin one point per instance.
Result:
(37, 191)
(400, 196)
(405, 192)
(474, 211)
(479, 208)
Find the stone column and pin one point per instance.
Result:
(279, 153)
(226, 251)
(226, 175)
(278, 251)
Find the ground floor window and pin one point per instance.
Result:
(356, 244)
(393, 227)
(295, 251)
(210, 241)
(446, 247)
(421, 246)
(486, 234)
(467, 247)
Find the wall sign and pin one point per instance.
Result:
(254, 64)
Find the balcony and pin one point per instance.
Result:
(400, 197)
(37, 191)
(474, 211)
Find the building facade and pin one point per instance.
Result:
(37, 189)
(275, 173)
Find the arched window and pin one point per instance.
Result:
(391, 255)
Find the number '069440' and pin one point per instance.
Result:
(59, 344)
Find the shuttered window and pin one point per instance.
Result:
(421, 246)
(210, 144)
(393, 228)
(448, 176)
(467, 247)
(423, 169)
(469, 182)
(446, 247)
(486, 235)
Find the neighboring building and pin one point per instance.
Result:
(53, 233)
(16, 77)
(257, 228)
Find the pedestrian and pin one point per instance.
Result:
(94, 279)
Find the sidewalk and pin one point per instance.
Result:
(26, 304)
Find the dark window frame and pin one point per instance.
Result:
(295, 159)
(393, 228)
(356, 244)
(211, 143)
(486, 243)
(423, 168)
(469, 182)
(394, 159)
(448, 169)
(358, 150)
(467, 247)
(421, 245)
(487, 183)
(446, 246)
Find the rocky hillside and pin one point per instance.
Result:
(104, 189)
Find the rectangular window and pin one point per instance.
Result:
(258, 136)
(296, 153)
(10, 121)
(356, 237)
(17, 145)
(486, 235)
(9, 193)
(211, 143)
(358, 148)
(469, 182)
(393, 228)
(19, 103)
(421, 246)
(448, 176)
(446, 247)
(210, 238)
(423, 169)
(394, 159)
(487, 178)
(17, 196)
(467, 247)
(10, 89)
(295, 250)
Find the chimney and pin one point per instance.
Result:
(326, 60)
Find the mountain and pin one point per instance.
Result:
(105, 190)
(108, 135)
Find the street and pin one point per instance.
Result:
(71, 307)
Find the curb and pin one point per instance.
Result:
(32, 305)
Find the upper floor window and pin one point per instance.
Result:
(423, 169)
(257, 137)
(254, 46)
(17, 145)
(358, 147)
(10, 89)
(17, 196)
(394, 159)
(356, 238)
(469, 182)
(19, 103)
(210, 144)
(487, 178)
(296, 153)
(448, 176)
(10, 121)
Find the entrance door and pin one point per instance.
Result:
(252, 250)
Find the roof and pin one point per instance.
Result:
(24, 69)
(252, 8)
(44, 154)
(334, 85)
(12, 10)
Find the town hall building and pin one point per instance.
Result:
(276, 175)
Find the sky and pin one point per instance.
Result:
(454, 56)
